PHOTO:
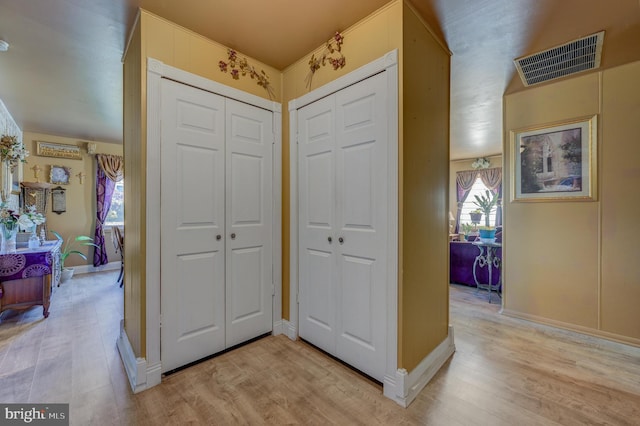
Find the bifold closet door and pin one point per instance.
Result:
(193, 224)
(342, 169)
(249, 207)
(216, 221)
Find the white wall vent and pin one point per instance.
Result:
(573, 57)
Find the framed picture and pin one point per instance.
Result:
(58, 150)
(555, 162)
(60, 175)
(58, 200)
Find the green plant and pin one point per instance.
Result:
(486, 203)
(71, 246)
(466, 228)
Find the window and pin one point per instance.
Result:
(115, 217)
(478, 188)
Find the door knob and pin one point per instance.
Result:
(329, 239)
(218, 237)
(233, 236)
(341, 240)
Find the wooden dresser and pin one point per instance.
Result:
(27, 277)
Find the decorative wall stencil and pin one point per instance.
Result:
(332, 53)
(241, 67)
(58, 150)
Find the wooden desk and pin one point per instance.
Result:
(27, 276)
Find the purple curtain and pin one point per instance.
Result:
(104, 191)
(464, 182)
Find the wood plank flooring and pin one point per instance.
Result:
(504, 372)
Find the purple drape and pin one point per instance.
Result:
(464, 182)
(104, 191)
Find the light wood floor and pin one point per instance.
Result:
(504, 372)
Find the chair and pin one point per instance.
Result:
(117, 237)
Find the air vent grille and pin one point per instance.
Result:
(560, 61)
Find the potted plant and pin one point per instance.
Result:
(476, 216)
(69, 248)
(485, 204)
(467, 229)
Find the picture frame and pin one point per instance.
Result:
(58, 200)
(555, 162)
(58, 150)
(60, 175)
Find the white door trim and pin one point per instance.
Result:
(389, 64)
(156, 70)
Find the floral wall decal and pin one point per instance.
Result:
(332, 54)
(241, 67)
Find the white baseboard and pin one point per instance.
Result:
(404, 387)
(141, 376)
(87, 269)
(290, 330)
(278, 328)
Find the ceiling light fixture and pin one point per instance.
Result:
(4, 46)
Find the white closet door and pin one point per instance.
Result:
(249, 207)
(361, 218)
(342, 170)
(192, 205)
(317, 239)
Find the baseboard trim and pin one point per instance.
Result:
(405, 387)
(88, 269)
(290, 330)
(136, 368)
(278, 328)
(572, 327)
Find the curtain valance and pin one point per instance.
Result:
(112, 166)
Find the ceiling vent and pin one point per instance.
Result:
(570, 58)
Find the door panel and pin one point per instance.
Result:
(316, 200)
(192, 203)
(249, 212)
(361, 206)
(342, 169)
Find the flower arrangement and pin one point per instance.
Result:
(241, 67)
(31, 218)
(11, 218)
(12, 151)
(8, 217)
(481, 163)
(333, 46)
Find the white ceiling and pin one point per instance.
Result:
(62, 74)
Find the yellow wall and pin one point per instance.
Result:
(165, 41)
(79, 219)
(574, 264)
(181, 48)
(461, 165)
(364, 42)
(424, 292)
(134, 146)
(367, 40)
